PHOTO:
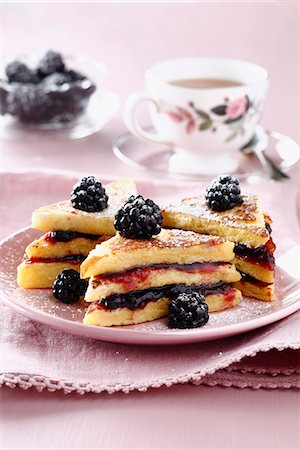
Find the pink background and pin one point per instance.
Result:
(128, 38)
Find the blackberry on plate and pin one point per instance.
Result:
(223, 193)
(138, 218)
(89, 195)
(18, 72)
(188, 311)
(50, 63)
(68, 287)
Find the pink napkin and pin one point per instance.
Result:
(39, 356)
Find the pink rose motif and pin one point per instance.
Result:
(174, 116)
(191, 125)
(184, 113)
(237, 108)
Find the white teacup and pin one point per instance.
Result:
(205, 125)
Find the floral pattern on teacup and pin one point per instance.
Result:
(234, 114)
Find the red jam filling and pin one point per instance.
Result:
(138, 275)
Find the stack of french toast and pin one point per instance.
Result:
(71, 233)
(135, 261)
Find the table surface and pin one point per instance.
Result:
(122, 35)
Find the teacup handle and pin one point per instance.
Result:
(132, 123)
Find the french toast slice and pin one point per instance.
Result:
(45, 258)
(119, 254)
(257, 267)
(48, 247)
(62, 215)
(41, 274)
(256, 289)
(255, 270)
(133, 280)
(245, 223)
(259, 263)
(141, 278)
(97, 315)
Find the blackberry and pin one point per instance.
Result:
(63, 236)
(56, 79)
(3, 97)
(50, 63)
(18, 72)
(75, 76)
(223, 193)
(138, 218)
(89, 195)
(68, 287)
(29, 103)
(188, 311)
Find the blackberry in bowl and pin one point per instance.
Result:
(48, 92)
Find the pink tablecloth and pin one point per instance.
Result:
(32, 354)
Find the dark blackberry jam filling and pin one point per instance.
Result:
(262, 256)
(70, 258)
(246, 277)
(268, 228)
(136, 299)
(66, 236)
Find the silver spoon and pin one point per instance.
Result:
(257, 145)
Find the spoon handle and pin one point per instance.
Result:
(270, 167)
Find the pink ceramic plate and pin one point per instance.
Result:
(40, 305)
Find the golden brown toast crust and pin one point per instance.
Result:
(172, 239)
(62, 215)
(170, 246)
(244, 223)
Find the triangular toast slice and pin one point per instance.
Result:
(62, 215)
(133, 281)
(140, 279)
(244, 223)
(169, 246)
(47, 247)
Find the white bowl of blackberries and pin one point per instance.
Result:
(50, 91)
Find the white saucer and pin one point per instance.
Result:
(101, 109)
(184, 162)
(179, 164)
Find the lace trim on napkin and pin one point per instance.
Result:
(230, 375)
(237, 379)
